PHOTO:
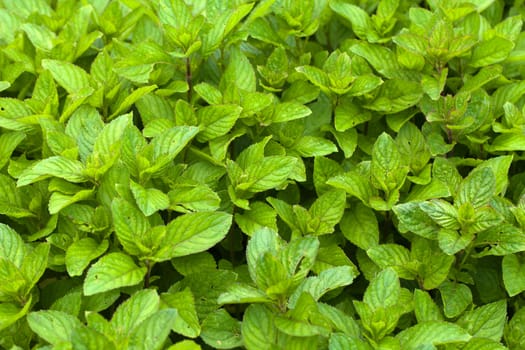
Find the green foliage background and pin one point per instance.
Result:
(274, 174)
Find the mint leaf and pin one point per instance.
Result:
(112, 271)
(432, 333)
(193, 233)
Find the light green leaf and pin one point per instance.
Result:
(187, 322)
(491, 51)
(451, 241)
(130, 226)
(262, 241)
(152, 333)
(57, 166)
(456, 298)
(221, 331)
(513, 274)
(432, 333)
(359, 225)
(12, 246)
(193, 198)
(425, 308)
(477, 188)
(69, 76)
(442, 212)
(189, 264)
(328, 209)
(326, 281)
(41, 37)
(167, 145)
(384, 290)
(80, 253)
(112, 271)
(193, 233)
(149, 200)
(395, 256)
(35, 263)
(412, 218)
(298, 328)
(240, 293)
(216, 120)
(260, 215)
(313, 146)
(11, 312)
(131, 98)
(354, 184)
(132, 312)
(486, 321)
(8, 143)
(257, 328)
(287, 111)
(53, 326)
(361, 23)
(271, 172)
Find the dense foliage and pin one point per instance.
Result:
(274, 174)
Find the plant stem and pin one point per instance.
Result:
(148, 274)
(189, 78)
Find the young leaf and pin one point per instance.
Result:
(53, 326)
(112, 271)
(193, 233)
(57, 166)
(432, 333)
(513, 269)
(221, 331)
(81, 253)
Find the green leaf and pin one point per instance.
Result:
(112, 271)
(53, 326)
(328, 209)
(221, 331)
(384, 290)
(131, 98)
(386, 163)
(425, 308)
(11, 245)
(134, 311)
(216, 120)
(243, 293)
(487, 321)
(81, 253)
(442, 212)
(152, 333)
(262, 241)
(186, 198)
(260, 215)
(149, 200)
(456, 298)
(312, 146)
(71, 77)
(513, 274)
(412, 218)
(187, 322)
(130, 226)
(11, 312)
(287, 111)
(491, 51)
(361, 23)
(326, 281)
(257, 328)
(359, 225)
(57, 166)
(395, 256)
(193, 233)
(432, 333)
(477, 188)
(354, 184)
(270, 172)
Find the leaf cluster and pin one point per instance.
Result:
(272, 174)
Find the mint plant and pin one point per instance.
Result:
(274, 174)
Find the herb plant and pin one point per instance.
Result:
(273, 174)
